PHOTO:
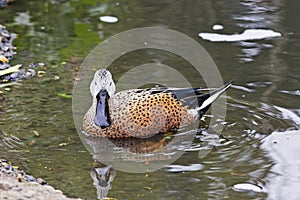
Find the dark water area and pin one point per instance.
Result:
(259, 140)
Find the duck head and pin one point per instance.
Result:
(102, 88)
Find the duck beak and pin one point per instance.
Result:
(102, 118)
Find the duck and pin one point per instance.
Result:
(142, 112)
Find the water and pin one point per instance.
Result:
(264, 100)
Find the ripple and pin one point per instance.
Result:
(250, 18)
(296, 92)
(9, 141)
(183, 168)
(242, 88)
(259, 84)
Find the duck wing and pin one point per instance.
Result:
(197, 99)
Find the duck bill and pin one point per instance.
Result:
(102, 110)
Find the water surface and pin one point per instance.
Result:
(263, 102)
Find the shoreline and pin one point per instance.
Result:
(16, 184)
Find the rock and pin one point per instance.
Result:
(7, 50)
(4, 3)
(16, 184)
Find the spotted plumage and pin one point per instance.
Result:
(142, 112)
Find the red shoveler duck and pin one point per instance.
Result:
(142, 112)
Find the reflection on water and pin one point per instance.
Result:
(103, 177)
(181, 168)
(263, 106)
(256, 14)
(138, 155)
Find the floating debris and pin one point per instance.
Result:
(36, 133)
(109, 19)
(217, 27)
(10, 74)
(41, 73)
(182, 168)
(247, 187)
(248, 34)
(64, 95)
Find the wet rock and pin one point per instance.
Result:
(4, 66)
(16, 184)
(7, 169)
(7, 51)
(4, 3)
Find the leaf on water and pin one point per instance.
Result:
(18, 151)
(41, 73)
(167, 137)
(63, 144)
(64, 95)
(147, 188)
(36, 133)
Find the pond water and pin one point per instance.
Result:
(36, 125)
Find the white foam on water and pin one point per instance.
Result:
(109, 19)
(249, 34)
(182, 168)
(247, 187)
(283, 180)
(288, 114)
(217, 27)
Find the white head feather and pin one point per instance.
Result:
(102, 80)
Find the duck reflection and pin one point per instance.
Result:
(103, 177)
(134, 155)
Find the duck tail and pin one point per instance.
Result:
(205, 100)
